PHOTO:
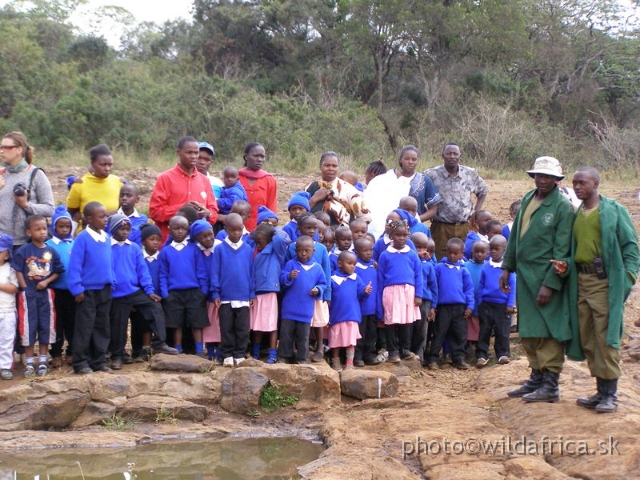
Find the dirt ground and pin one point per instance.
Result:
(367, 439)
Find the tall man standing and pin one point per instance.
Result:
(541, 233)
(182, 185)
(456, 183)
(604, 267)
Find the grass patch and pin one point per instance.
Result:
(164, 415)
(273, 398)
(119, 423)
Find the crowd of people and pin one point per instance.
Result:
(354, 276)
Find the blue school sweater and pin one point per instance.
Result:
(268, 264)
(291, 229)
(36, 264)
(454, 284)
(347, 292)
(153, 266)
(90, 264)
(368, 273)
(490, 285)
(383, 242)
(232, 273)
(63, 247)
(181, 270)
(130, 270)
(321, 257)
(229, 195)
(420, 227)
(430, 284)
(297, 304)
(398, 267)
(136, 223)
(475, 270)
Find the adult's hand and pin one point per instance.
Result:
(320, 196)
(2, 183)
(504, 281)
(544, 295)
(21, 200)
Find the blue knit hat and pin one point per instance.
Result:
(404, 215)
(116, 221)
(301, 199)
(58, 213)
(265, 214)
(6, 243)
(148, 229)
(198, 227)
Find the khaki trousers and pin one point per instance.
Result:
(546, 354)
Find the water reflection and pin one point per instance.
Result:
(204, 459)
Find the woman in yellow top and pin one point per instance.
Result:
(97, 186)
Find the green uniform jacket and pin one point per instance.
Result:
(621, 258)
(548, 237)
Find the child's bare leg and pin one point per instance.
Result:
(273, 339)
(318, 333)
(197, 334)
(177, 339)
(146, 340)
(351, 351)
(28, 351)
(335, 359)
(256, 344)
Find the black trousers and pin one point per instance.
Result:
(420, 329)
(366, 346)
(91, 333)
(449, 323)
(150, 312)
(234, 330)
(65, 305)
(398, 337)
(294, 333)
(493, 317)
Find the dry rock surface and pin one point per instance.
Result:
(444, 424)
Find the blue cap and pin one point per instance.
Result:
(404, 215)
(198, 227)
(301, 199)
(6, 242)
(265, 214)
(59, 213)
(207, 146)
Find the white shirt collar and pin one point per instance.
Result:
(100, 236)
(339, 279)
(134, 214)
(149, 258)
(404, 249)
(495, 264)
(235, 246)
(116, 242)
(179, 245)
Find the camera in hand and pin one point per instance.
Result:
(599, 266)
(19, 189)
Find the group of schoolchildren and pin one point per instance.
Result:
(304, 285)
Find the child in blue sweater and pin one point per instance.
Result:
(420, 336)
(481, 219)
(271, 247)
(242, 208)
(454, 306)
(183, 285)
(495, 306)
(479, 253)
(129, 196)
(233, 290)
(62, 242)
(366, 268)
(344, 242)
(232, 190)
(298, 204)
(151, 239)
(90, 279)
(347, 289)
(400, 285)
(384, 241)
(37, 266)
(133, 290)
(410, 204)
(308, 226)
(302, 280)
(358, 229)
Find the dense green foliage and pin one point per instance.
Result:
(507, 79)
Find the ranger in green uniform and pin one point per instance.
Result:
(541, 232)
(604, 267)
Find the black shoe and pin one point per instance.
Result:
(103, 368)
(593, 400)
(370, 361)
(358, 363)
(530, 386)
(394, 357)
(609, 401)
(144, 355)
(547, 392)
(461, 365)
(83, 371)
(127, 360)
(116, 363)
(164, 348)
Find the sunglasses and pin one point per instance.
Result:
(8, 147)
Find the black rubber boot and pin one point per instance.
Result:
(593, 400)
(547, 392)
(534, 381)
(609, 401)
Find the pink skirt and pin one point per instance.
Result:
(397, 302)
(473, 329)
(211, 334)
(344, 334)
(320, 314)
(263, 315)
